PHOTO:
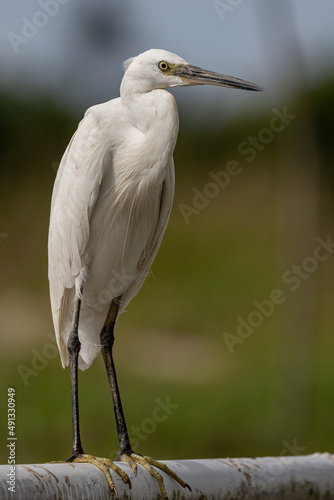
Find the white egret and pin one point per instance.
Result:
(110, 207)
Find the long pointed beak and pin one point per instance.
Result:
(192, 75)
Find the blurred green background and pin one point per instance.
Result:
(187, 391)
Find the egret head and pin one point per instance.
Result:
(160, 69)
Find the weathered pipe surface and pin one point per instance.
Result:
(271, 478)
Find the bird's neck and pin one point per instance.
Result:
(147, 110)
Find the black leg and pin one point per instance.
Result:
(107, 341)
(73, 347)
(125, 453)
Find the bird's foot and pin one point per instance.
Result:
(147, 462)
(103, 464)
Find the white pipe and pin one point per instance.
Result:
(271, 478)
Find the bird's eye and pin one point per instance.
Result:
(163, 65)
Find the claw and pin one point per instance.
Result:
(127, 459)
(148, 463)
(148, 466)
(115, 468)
(104, 464)
(100, 464)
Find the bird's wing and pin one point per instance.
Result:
(74, 196)
(148, 256)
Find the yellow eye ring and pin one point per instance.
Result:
(163, 65)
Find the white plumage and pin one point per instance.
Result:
(113, 195)
(110, 206)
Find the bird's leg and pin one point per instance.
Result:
(73, 347)
(78, 454)
(125, 453)
(107, 341)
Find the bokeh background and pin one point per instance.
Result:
(194, 383)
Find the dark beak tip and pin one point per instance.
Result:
(256, 88)
(253, 87)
